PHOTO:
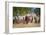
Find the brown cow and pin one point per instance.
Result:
(28, 19)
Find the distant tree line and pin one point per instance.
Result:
(24, 10)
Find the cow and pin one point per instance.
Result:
(37, 19)
(15, 19)
(28, 19)
(19, 19)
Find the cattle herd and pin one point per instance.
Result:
(26, 19)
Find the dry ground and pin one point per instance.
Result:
(21, 25)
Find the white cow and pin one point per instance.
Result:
(20, 19)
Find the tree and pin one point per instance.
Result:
(37, 11)
(20, 11)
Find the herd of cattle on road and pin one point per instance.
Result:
(26, 19)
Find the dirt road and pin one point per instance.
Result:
(21, 25)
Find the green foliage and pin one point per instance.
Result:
(24, 10)
(37, 11)
(20, 11)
